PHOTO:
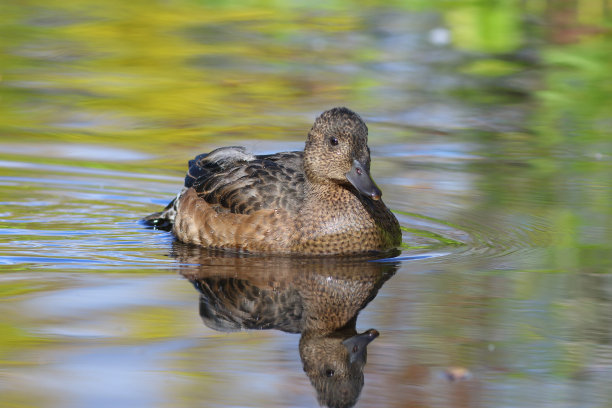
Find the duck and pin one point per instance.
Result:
(319, 201)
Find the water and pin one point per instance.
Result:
(489, 130)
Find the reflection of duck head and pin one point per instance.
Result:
(334, 364)
(318, 297)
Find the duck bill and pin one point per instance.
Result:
(357, 344)
(360, 178)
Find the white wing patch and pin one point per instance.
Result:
(225, 156)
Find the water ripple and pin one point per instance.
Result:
(91, 218)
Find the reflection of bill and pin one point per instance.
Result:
(317, 297)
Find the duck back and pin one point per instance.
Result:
(233, 180)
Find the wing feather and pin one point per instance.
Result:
(233, 180)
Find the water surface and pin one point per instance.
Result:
(489, 130)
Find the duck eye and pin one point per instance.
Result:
(329, 372)
(333, 141)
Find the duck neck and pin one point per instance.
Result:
(325, 190)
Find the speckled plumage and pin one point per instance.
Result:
(320, 201)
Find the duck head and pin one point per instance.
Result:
(337, 151)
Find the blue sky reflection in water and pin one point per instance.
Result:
(489, 130)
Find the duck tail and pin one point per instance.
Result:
(163, 220)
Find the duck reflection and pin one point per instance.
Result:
(317, 297)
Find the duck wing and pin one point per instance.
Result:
(233, 180)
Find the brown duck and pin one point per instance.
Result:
(319, 201)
